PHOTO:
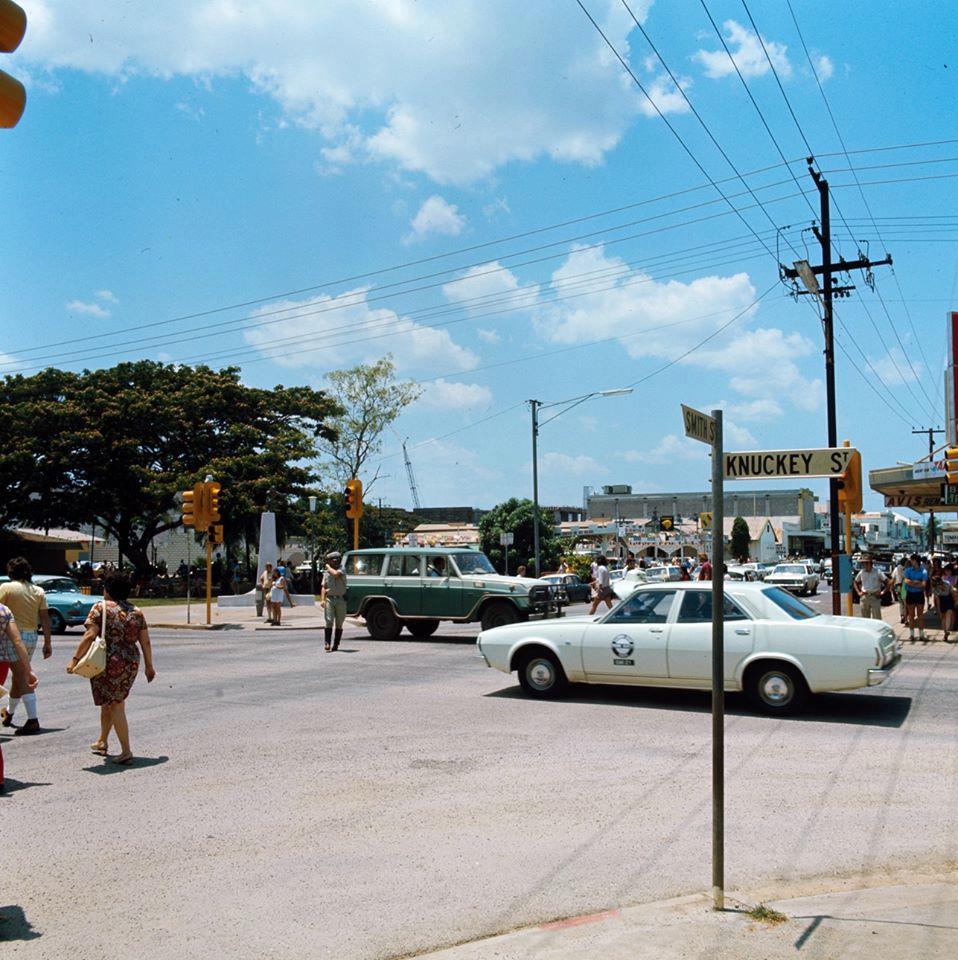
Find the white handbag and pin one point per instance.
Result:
(93, 662)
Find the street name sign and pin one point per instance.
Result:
(507, 539)
(698, 425)
(820, 462)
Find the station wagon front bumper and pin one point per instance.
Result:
(877, 675)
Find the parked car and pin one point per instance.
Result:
(417, 587)
(576, 589)
(777, 649)
(797, 577)
(68, 607)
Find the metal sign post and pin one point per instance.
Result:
(506, 540)
(708, 429)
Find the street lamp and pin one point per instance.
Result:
(567, 405)
(312, 548)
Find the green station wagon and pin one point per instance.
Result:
(416, 587)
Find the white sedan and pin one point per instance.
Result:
(800, 578)
(777, 649)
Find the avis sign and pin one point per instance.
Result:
(821, 462)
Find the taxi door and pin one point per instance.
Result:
(631, 643)
(690, 640)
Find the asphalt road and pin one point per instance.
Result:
(399, 796)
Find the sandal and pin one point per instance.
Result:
(124, 759)
(98, 748)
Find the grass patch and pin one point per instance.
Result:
(763, 914)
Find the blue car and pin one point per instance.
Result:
(68, 607)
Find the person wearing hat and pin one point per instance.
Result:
(333, 598)
(870, 585)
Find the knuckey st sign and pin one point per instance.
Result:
(821, 462)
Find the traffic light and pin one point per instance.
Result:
(13, 96)
(213, 502)
(850, 486)
(190, 503)
(354, 498)
(216, 533)
(951, 464)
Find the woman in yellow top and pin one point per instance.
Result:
(28, 603)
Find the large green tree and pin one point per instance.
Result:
(515, 516)
(115, 446)
(741, 540)
(371, 399)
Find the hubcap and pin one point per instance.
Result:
(776, 688)
(540, 674)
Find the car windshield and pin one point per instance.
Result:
(790, 604)
(473, 562)
(789, 568)
(58, 585)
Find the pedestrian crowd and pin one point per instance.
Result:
(108, 654)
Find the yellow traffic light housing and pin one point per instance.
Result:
(216, 533)
(213, 489)
(354, 498)
(850, 486)
(13, 96)
(951, 464)
(191, 500)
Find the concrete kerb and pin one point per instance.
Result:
(854, 919)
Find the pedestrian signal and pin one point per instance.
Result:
(216, 533)
(354, 498)
(13, 96)
(951, 464)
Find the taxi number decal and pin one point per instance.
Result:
(623, 663)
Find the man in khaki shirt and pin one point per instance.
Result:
(28, 604)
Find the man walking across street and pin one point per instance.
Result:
(705, 568)
(870, 585)
(333, 598)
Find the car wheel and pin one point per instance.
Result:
(778, 689)
(541, 675)
(422, 628)
(382, 622)
(499, 614)
(57, 623)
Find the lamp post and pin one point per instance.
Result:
(536, 406)
(312, 547)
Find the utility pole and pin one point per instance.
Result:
(807, 273)
(931, 431)
(535, 483)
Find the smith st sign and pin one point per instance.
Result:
(822, 462)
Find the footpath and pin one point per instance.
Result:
(179, 617)
(907, 917)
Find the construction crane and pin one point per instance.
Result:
(413, 489)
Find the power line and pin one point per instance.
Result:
(841, 141)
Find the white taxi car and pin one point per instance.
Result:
(777, 649)
(800, 578)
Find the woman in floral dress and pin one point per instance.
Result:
(126, 634)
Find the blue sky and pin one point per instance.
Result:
(181, 157)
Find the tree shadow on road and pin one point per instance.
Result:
(861, 709)
(15, 926)
(139, 763)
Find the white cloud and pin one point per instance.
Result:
(488, 336)
(824, 67)
(492, 211)
(763, 409)
(450, 395)
(735, 436)
(666, 96)
(670, 448)
(108, 296)
(327, 332)
(486, 280)
(746, 52)
(563, 464)
(370, 90)
(89, 308)
(894, 369)
(435, 216)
